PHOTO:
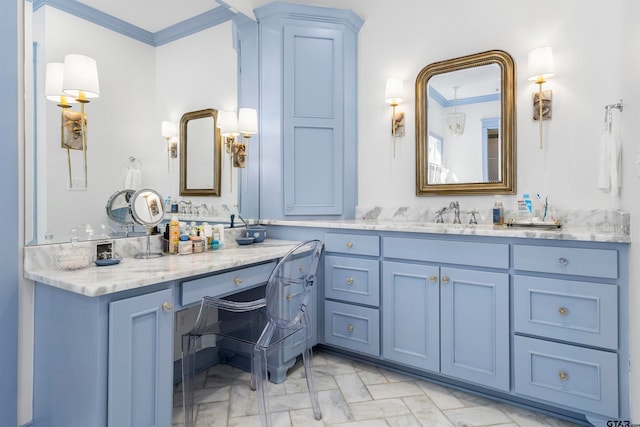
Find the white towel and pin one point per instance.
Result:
(133, 181)
(609, 163)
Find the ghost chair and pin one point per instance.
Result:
(259, 327)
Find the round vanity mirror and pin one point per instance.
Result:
(118, 208)
(147, 209)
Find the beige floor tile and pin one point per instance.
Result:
(402, 389)
(352, 388)
(378, 409)
(476, 416)
(426, 412)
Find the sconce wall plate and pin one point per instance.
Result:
(546, 104)
(398, 124)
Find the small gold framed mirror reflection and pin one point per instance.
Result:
(200, 154)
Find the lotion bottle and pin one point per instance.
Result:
(174, 234)
(498, 211)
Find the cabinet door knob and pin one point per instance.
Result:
(350, 281)
(350, 328)
(433, 279)
(563, 311)
(563, 375)
(238, 280)
(349, 245)
(563, 262)
(445, 279)
(167, 306)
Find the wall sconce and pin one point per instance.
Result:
(53, 92)
(228, 124)
(541, 67)
(80, 82)
(247, 126)
(393, 95)
(170, 133)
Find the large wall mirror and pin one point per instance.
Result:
(465, 126)
(200, 162)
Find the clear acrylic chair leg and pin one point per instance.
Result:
(189, 347)
(262, 385)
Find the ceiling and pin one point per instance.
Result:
(156, 15)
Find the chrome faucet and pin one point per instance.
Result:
(456, 209)
(472, 219)
(186, 207)
(439, 214)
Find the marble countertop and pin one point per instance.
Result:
(564, 233)
(134, 273)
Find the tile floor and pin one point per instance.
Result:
(351, 394)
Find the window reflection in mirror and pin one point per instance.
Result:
(465, 136)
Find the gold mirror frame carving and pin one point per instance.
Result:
(217, 154)
(507, 185)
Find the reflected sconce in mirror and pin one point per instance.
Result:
(228, 124)
(541, 67)
(53, 92)
(393, 95)
(247, 126)
(80, 82)
(170, 133)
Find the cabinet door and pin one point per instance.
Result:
(312, 122)
(140, 361)
(410, 314)
(475, 326)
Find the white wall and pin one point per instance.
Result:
(595, 46)
(194, 73)
(120, 122)
(403, 38)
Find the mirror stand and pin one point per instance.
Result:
(148, 254)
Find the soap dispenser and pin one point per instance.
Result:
(498, 211)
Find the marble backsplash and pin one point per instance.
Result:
(596, 220)
(44, 256)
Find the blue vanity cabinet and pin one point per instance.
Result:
(104, 360)
(453, 321)
(567, 349)
(307, 76)
(352, 292)
(140, 360)
(411, 317)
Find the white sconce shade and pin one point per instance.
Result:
(228, 123)
(80, 76)
(53, 84)
(247, 121)
(393, 91)
(169, 129)
(541, 65)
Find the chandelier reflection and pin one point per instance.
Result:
(455, 120)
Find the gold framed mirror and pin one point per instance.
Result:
(465, 126)
(200, 154)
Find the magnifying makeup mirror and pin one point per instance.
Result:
(119, 210)
(147, 209)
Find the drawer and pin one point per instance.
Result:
(354, 244)
(352, 327)
(580, 312)
(580, 378)
(576, 261)
(446, 251)
(192, 291)
(352, 279)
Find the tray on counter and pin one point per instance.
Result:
(545, 225)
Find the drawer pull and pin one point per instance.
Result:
(288, 297)
(563, 375)
(563, 262)
(445, 279)
(349, 245)
(167, 307)
(350, 328)
(350, 281)
(563, 311)
(433, 279)
(238, 280)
